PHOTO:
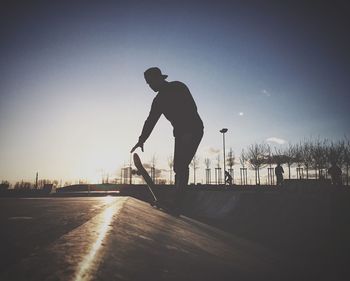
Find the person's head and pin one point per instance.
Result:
(154, 78)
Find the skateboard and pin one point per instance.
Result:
(141, 171)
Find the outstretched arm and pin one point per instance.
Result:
(148, 126)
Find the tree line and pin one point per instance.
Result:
(312, 158)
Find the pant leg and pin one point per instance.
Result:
(279, 179)
(185, 149)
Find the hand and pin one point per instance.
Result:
(136, 146)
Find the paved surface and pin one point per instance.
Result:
(28, 225)
(121, 238)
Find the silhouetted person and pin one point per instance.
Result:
(228, 178)
(335, 173)
(176, 103)
(279, 173)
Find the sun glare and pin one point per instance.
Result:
(94, 169)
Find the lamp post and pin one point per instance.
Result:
(223, 131)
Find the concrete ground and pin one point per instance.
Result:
(122, 238)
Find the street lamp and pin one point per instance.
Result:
(223, 131)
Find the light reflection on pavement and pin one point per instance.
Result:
(88, 264)
(73, 255)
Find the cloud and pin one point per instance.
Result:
(147, 166)
(266, 93)
(212, 150)
(276, 140)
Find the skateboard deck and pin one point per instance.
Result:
(150, 184)
(142, 172)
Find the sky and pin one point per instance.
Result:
(73, 99)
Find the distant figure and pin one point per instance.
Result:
(335, 173)
(228, 178)
(176, 103)
(279, 173)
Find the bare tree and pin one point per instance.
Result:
(270, 159)
(207, 163)
(335, 152)
(306, 155)
(319, 156)
(153, 168)
(231, 160)
(278, 157)
(298, 159)
(257, 158)
(243, 159)
(243, 170)
(289, 157)
(218, 161)
(154, 161)
(67, 183)
(194, 165)
(4, 185)
(171, 166)
(218, 170)
(24, 185)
